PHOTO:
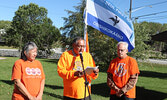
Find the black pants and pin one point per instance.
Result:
(114, 97)
(68, 98)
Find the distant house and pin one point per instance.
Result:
(160, 37)
(2, 31)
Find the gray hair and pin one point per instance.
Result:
(124, 43)
(77, 39)
(27, 47)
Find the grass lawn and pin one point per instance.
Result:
(151, 84)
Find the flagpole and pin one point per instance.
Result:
(86, 38)
(85, 30)
(130, 9)
(86, 49)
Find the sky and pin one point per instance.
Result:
(157, 12)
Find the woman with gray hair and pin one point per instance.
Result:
(28, 75)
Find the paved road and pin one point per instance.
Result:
(2, 58)
(158, 61)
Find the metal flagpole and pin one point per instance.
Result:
(130, 9)
(85, 33)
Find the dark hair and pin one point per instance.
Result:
(27, 47)
(76, 40)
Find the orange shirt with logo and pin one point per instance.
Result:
(74, 86)
(31, 74)
(122, 69)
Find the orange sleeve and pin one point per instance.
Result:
(62, 68)
(16, 71)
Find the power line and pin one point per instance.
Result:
(160, 18)
(165, 16)
(151, 4)
(150, 14)
(154, 19)
(145, 17)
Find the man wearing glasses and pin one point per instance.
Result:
(70, 68)
(122, 75)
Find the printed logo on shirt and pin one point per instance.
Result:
(78, 66)
(120, 71)
(33, 71)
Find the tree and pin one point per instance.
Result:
(103, 47)
(5, 24)
(73, 25)
(141, 49)
(31, 23)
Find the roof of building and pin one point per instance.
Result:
(160, 37)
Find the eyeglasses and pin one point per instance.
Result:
(81, 46)
(122, 50)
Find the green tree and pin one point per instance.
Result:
(103, 47)
(73, 25)
(141, 38)
(5, 24)
(31, 23)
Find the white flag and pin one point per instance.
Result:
(105, 17)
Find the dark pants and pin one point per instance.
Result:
(114, 97)
(68, 98)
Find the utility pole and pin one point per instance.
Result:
(130, 9)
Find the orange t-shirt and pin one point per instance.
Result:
(31, 74)
(74, 87)
(122, 69)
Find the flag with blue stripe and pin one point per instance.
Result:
(105, 17)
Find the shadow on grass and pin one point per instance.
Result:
(153, 74)
(142, 94)
(100, 89)
(53, 86)
(53, 95)
(103, 90)
(9, 82)
(145, 94)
